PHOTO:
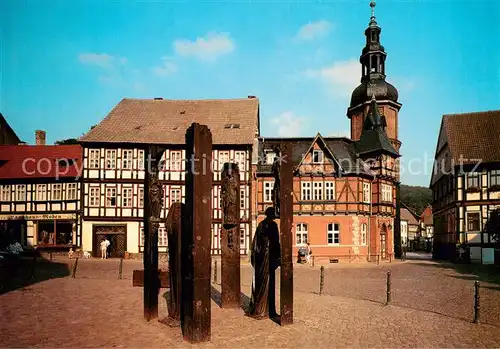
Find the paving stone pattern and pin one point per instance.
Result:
(432, 308)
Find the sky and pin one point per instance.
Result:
(66, 64)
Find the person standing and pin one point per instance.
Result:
(104, 248)
(308, 253)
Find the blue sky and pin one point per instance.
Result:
(66, 64)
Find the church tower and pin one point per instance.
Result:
(373, 84)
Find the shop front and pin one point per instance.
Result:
(42, 230)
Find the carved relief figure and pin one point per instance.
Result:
(276, 189)
(229, 195)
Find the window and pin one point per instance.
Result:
(21, 192)
(140, 159)
(94, 196)
(473, 223)
(5, 193)
(110, 159)
(472, 180)
(240, 159)
(127, 197)
(242, 237)
(56, 191)
(71, 193)
(317, 191)
(494, 178)
(242, 199)
(386, 193)
(301, 231)
(94, 158)
(223, 158)
(329, 191)
(366, 192)
(175, 161)
(141, 197)
(110, 197)
(41, 192)
(317, 156)
(175, 195)
(363, 234)
(305, 192)
(268, 191)
(127, 159)
(270, 155)
(333, 234)
(162, 237)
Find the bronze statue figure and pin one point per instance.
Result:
(230, 195)
(265, 258)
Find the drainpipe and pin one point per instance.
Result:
(370, 220)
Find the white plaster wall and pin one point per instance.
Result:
(87, 236)
(133, 237)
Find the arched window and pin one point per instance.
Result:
(333, 233)
(363, 234)
(301, 231)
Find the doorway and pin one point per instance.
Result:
(117, 236)
(383, 242)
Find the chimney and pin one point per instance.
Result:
(252, 97)
(39, 137)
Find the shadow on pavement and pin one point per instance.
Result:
(479, 272)
(21, 272)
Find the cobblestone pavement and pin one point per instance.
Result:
(431, 307)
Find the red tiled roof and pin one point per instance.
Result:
(426, 216)
(39, 161)
(231, 121)
(474, 136)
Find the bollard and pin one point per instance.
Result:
(313, 261)
(378, 259)
(388, 300)
(215, 272)
(33, 276)
(321, 280)
(349, 255)
(120, 269)
(51, 256)
(476, 302)
(74, 268)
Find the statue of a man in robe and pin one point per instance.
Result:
(265, 258)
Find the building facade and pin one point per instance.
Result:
(466, 184)
(40, 195)
(345, 189)
(113, 162)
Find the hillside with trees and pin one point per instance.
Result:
(415, 197)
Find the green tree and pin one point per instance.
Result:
(416, 197)
(67, 141)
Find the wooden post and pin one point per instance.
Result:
(153, 197)
(397, 223)
(285, 213)
(215, 271)
(476, 302)
(196, 237)
(120, 269)
(230, 261)
(321, 280)
(75, 265)
(388, 291)
(175, 217)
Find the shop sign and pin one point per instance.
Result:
(38, 217)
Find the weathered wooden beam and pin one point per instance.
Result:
(196, 236)
(286, 221)
(230, 242)
(176, 214)
(153, 200)
(138, 278)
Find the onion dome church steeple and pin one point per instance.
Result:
(372, 59)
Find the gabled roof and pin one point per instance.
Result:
(158, 121)
(39, 161)
(4, 123)
(426, 216)
(373, 137)
(342, 148)
(408, 215)
(315, 140)
(473, 136)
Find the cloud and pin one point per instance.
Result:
(288, 124)
(102, 60)
(207, 48)
(313, 30)
(343, 133)
(167, 68)
(340, 77)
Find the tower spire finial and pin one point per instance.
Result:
(372, 5)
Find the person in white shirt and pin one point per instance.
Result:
(104, 248)
(308, 253)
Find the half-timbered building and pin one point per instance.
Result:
(465, 184)
(40, 195)
(113, 158)
(345, 189)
